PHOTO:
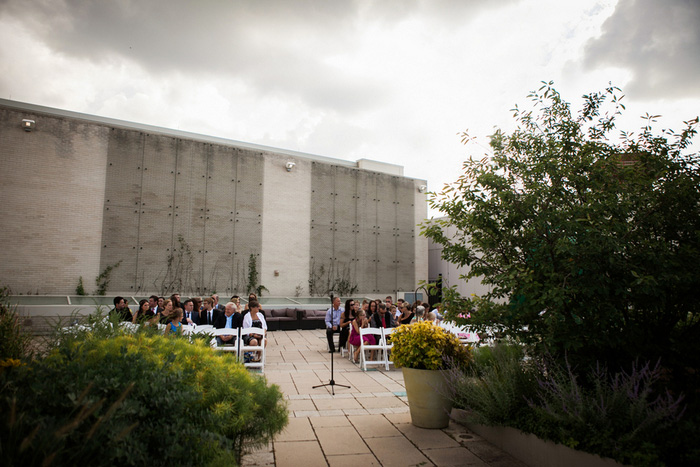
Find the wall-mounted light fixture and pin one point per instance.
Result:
(290, 165)
(422, 188)
(28, 125)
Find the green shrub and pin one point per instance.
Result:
(15, 343)
(495, 388)
(618, 416)
(135, 399)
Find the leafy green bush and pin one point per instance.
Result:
(496, 386)
(618, 416)
(134, 399)
(425, 346)
(15, 343)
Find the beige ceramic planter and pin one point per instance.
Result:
(426, 391)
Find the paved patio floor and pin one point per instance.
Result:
(368, 424)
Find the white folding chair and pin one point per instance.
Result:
(243, 348)
(378, 348)
(386, 334)
(225, 332)
(204, 329)
(129, 326)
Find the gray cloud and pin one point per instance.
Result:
(659, 42)
(272, 46)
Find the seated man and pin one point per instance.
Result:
(190, 315)
(333, 324)
(383, 319)
(209, 314)
(229, 319)
(121, 309)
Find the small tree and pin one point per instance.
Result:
(591, 247)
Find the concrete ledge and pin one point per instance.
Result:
(530, 449)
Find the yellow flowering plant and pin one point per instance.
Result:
(424, 346)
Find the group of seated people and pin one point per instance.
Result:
(196, 311)
(370, 313)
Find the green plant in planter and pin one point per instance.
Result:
(424, 346)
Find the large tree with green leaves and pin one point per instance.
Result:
(590, 241)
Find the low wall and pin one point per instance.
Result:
(530, 449)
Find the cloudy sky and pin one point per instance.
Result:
(390, 80)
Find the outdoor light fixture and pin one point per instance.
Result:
(290, 165)
(28, 125)
(422, 188)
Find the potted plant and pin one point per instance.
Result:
(424, 352)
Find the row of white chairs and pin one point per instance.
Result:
(382, 348)
(240, 347)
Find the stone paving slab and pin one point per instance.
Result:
(364, 425)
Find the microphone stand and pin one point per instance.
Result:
(332, 382)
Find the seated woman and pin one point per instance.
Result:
(346, 317)
(420, 314)
(254, 319)
(360, 321)
(166, 312)
(174, 326)
(144, 312)
(406, 314)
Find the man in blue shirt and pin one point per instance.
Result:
(230, 318)
(333, 322)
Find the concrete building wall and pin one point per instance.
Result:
(451, 273)
(53, 183)
(286, 231)
(184, 212)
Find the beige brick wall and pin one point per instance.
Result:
(52, 181)
(80, 193)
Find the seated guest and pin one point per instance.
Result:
(383, 319)
(237, 300)
(420, 314)
(164, 317)
(373, 308)
(175, 298)
(144, 312)
(360, 322)
(431, 317)
(251, 298)
(197, 304)
(161, 302)
(191, 316)
(174, 326)
(229, 319)
(217, 305)
(121, 309)
(209, 314)
(153, 304)
(406, 314)
(254, 319)
(346, 318)
(333, 322)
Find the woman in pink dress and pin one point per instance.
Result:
(360, 321)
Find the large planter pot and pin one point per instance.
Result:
(427, 397)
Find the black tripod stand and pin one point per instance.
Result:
(332, 382)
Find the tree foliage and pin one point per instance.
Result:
(590, 243)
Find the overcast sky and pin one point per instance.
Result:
(389, 80)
